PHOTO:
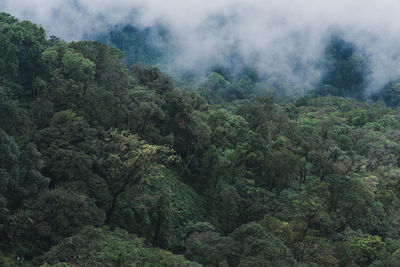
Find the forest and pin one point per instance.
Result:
(109, 162)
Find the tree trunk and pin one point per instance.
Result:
(111, 212)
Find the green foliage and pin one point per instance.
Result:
(6, 261)
(9, 169)
(360, 248)
(345, 70)
(102, 247)
(152, 78)
(66, 146)
(93, 153)
(216, 82)
(109, 71)
(76, 66)
(126, 161)
(390, 94)
(138, 44)
(205, 246)
(68, 212)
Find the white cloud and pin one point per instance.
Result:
(273, 31)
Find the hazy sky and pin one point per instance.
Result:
(273, 34)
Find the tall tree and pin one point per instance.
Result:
(126, 161)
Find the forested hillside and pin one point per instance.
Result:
(105, 165)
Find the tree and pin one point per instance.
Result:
(145, 113)
(206, 246)
(66, 148)
(152, 78)
(358, 248)
(58, 214)
(67, 76)
(8, 55)
(110, 73)
(32, 182)
(390, 93)
(344, 69)
(21, 46)
(102, 247)
(216, 83)
(76, 67)
(126, 161)
(161, 211)
(9, 172)
(260, 248)
(48, 219)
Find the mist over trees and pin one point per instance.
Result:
(281, 38)
(104, 164)
(344, 70)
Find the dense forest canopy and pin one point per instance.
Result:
(107, 165)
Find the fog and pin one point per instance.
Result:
(284, 37)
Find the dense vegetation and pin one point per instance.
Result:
(101, 165)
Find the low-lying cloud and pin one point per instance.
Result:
(284, 37)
